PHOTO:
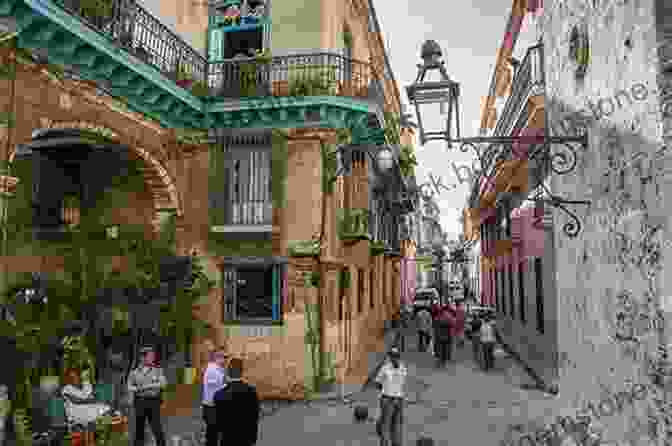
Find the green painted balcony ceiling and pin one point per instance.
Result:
(69, 41)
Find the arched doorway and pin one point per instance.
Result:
(155, 173)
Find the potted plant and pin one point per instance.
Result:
(250, 81)
(200, 89)
(184, 78)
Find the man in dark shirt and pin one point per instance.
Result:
(238, 405)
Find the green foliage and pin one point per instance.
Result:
(344, 279)
(313, 80)
(95, 8)
(200, 89)
(329, 166)
(392, 128)
(407, 160)
(220, 245)
(347, 38)
(249, 78)
(353, 224)
(279, 169)
(376, 247)
(183, 72)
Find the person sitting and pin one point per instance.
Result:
(81, 406)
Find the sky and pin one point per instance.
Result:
(470, 34)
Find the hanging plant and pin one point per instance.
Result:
(347, 38)
(579, 49)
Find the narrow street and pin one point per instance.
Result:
(460, 405)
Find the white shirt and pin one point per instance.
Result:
(214, 379)
(392, 379)
(82, 413)
(488, 332)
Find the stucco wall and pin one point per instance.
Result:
(614, 265)
(296, 24)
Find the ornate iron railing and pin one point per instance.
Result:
(529, 76)
(320, 74)
(133, 28)
(139, 33)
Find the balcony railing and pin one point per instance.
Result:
(320, 74)
(528, 81)
(131, 27)
(137, 31)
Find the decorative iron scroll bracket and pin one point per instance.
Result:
(561, 162)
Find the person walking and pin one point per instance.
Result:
(145, 384)
(488, 340)
(444, 336)
(399, 328)
(391, 382)
(214, 379)
(424, 318)
(238, 403)
(460, 318)
(475, 336)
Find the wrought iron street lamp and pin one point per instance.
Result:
(446, 92)
(381, 157)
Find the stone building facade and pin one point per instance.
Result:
(605, 72)
(331, 292)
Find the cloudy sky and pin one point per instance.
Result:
(470, 34)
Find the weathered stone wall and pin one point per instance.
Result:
(609, 277)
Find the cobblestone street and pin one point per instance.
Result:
(459, 404)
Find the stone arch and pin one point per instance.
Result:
(165, 188)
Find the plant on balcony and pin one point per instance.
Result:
(313, 80)
(407, 160)
(329, 166)
(183, 76)
(200, 89)
(376, 248)
(304, 248)
(249, 73)
(353, 224)
(95, 8)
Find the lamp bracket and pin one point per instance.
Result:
(556, 152)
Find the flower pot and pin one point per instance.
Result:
(184, 83)
(280, 88)
(49, 384)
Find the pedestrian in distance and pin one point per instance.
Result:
(145, 383)
(424, 318)
(391, 381)
(488, 341)
(460, 318)
(214, 379)
(399, 327)
(444, 336)
(238, 406)
(475, 336)
(436, 312)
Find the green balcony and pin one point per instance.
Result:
(130, 53)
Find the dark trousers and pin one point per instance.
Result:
(390, 423)
(445, 349)
(148, 409)
(488, 355)
(476, 345)
(212, 430)
(400, 340)
(423, 340)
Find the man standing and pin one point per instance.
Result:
(424, 329)
(488, 340)
(238, 403)
(145, 384)
(214, 379)
(391, 380)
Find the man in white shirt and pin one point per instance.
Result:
(391, 380)
(214, 379)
